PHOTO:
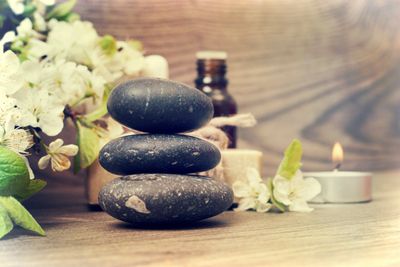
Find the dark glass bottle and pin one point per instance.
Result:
(211, 70)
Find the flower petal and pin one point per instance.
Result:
(10, 80)
(282, 190)
(60, 163)
(48, 2)
(51, 124)
(298, 175)
(55, 145)
(44, 162)
(68, 150)
(253, 176)
(310, 188)
(8, 37)
(263, 207)
(241, 189)
(300, 205)
(246, 204)
(263, 193)
(17, 6)
(30, 171)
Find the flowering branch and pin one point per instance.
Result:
(53, 67)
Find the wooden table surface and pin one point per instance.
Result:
(333, 235)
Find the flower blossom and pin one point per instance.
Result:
(40, 110)
(10, 75)
(16, 139)
(253, 194)
(295, 192)
(18, 6)
(25, 29)
(57, 155)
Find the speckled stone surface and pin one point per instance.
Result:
(158, 153)
(159, 106)
(164, 198)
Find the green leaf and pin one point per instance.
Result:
(61, 10)
(77, 159)
(20, 216)
(88, 143)
(291, 162)
(277, 204)
(29, 10)
(14, 174)
(96, 114)
(34, 187)
(102, 109)
(108, 44)
(6, 225)
(2, 18)
(71, 17)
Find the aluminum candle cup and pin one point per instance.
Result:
(343, 187)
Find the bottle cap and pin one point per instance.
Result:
(219, 55)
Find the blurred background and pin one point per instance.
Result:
(322, 71)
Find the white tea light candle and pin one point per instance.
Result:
(342, 186)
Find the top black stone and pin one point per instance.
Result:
(159, 106)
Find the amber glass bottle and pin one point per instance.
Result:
(211, 70)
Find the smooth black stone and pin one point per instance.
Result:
(164, 198)
(158, 153)
(159, 106)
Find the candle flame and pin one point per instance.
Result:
(337, 154)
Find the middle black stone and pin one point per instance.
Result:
(158, 153)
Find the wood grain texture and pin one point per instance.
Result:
(332, 235)
(323, 71)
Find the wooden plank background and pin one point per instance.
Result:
(323, 71)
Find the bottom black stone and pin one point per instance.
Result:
(164, 198)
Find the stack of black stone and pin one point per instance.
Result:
(156, 186)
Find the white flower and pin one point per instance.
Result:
(295, 192)
(7, 38)
(253, 194)
(73, 41)
(68, 82)
(32, 70)
(47, 2)
(25, 29)
(73, 82)
(17, 6)
(16, 139)
(40, 23)
(40, 110)
(57, 155)
(125, 61)
(38, 49)
(8, 110)
(131, 59)
(10, 75)
(19, 140)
